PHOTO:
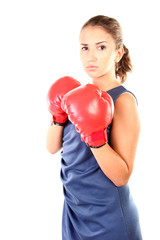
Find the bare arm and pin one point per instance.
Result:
(117, 161)
(54, 138)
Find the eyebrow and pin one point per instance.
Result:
(84, 44)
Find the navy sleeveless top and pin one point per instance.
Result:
(94, 208)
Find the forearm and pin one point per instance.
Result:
(113, 166)
(54, 138)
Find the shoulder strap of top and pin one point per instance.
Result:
(118, 91)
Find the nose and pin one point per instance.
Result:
(92, 57)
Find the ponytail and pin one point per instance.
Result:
(124, 65)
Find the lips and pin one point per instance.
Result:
(91, 68)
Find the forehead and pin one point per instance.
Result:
(91, 35)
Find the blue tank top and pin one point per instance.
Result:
(94, 208)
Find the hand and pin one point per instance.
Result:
(55, 94)
(91, 111)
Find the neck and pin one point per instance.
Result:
(106, 82)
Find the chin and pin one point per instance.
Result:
(93, 74)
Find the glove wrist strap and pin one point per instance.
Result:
(97, 139)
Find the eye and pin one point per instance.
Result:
(102, 47)
(84, 48)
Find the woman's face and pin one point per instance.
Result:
(97, 51)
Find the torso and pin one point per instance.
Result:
(94, 208)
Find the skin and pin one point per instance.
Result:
(54, 138)
(98, 55)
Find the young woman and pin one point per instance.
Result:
(97, 126)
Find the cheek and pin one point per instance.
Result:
(108, 61)
(81, 56)
(83, 59)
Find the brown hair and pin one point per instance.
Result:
(113, 27)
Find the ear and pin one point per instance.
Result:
(119, 54)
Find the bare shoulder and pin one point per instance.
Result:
(126, 100)
(126, 110)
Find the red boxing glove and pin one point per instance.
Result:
(56, 92)
(91, 111)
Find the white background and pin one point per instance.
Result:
(39, 44)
